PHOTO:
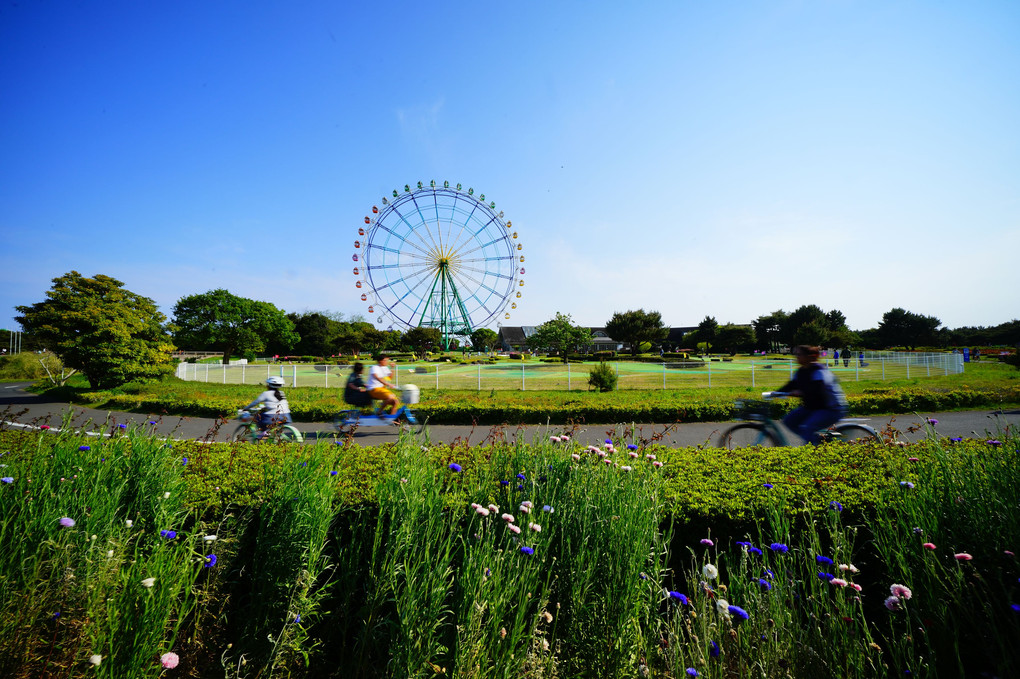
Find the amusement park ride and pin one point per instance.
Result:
(440, 257)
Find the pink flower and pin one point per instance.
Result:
(707, 542)
(962, 556)
(575, 456)
(928, 545)
(649, 457)
(535, 527)
(494, 509)
(838, 582)
(509, 518)
(632, 454)
(856, 586)
(1009, 553)
(169, 660)
(564, 437)
(913, 459)
(893, 603)
(625, 468)
(514, 527)
(656, 464)
(902, 591)
(554, 439)
(482, 510)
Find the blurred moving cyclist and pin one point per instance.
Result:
(822, 400)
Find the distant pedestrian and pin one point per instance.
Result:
(835, 357)
(846, 358)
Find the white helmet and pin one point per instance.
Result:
(274, 382)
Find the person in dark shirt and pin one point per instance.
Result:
(822, 400)
(355, 392)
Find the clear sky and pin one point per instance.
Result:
(694, 158)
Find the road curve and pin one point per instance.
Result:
(23, 409)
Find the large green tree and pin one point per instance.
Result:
(635, 327)
(768, 330)
(220, 321)
(94, 325)
(484, 339)
(734, 338)
(706, 332)
(422, 340)
(902, 328)
(560, 334)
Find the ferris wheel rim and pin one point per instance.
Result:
(442, 238)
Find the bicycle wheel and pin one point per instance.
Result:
(856, 433)
(242, 433)
(745, 435)
(289, 434)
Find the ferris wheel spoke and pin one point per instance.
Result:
(481, 285)
(483, 272)
(401, 239)
(417, 232)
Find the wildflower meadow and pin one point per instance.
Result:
(125, 555)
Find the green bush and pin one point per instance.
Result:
(602, 377)
(603, 355)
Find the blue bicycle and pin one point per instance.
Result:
(347, 421)
(762, 429)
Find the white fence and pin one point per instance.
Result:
(757, 373)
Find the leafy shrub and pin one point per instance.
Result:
(602, 378)
(603, 355)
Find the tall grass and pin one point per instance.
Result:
(589, 578)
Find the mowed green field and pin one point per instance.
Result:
(537, 376)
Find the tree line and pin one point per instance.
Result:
(112, 335)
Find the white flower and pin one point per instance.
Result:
(535, 527)
(494, 509)
(625, 468)
(166, 495)
(482, 510)
(524, 509)
(509, 518)
(710, 572)
(96, 659)
(92, 538)
(128, 522)
(723, 607)
(148, 582)
(210, 538)
(109, 554)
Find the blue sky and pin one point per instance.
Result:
(724, 159)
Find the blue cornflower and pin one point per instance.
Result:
(522, 477)
(455, 467)
(333, 473)
(210, 560)
(738, 612)
(122, 426)
(835, 506)
(152, 421)
(297, 618)
(825, 577)
(768, 572)
(168, 534)
(520, 486)
(609, 442)
(547, 509)
(906, 484)
(713, 649)
(643, 576)
(823, 559)
(956, 439)
(765, 584)
(84, 448)
(1015, 607)
(691, 672)
(527, 550)
(767, 486)
(682, 598)
(504, 483)
(304, 464)
(743, 544)
(631, 446)
(779, 547)
(8, 479)
(55, 615)
(184, 462)
(754, 550)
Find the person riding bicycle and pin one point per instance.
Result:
(823, 401)
(274, 406)
(379, 385)
(355, 391)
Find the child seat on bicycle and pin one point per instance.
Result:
(823, 401)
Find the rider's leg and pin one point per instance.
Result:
(807, 423)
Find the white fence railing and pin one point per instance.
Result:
(717, 372)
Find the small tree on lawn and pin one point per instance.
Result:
(94, 325)
(560, 334)
(484, 339)
(422, 339)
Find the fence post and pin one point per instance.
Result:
(224, 366)
(479, 366)
(858, 370)
(568, 376)
(206, 372)
(664, 377)
(752, 373)
(437, 377)
(710, 371)
(927, 364)
(243, 366)
(293, 375)
(326, 370)
(522, 374)
(908, 367)
(883, 368)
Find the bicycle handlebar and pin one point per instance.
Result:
(769, 395)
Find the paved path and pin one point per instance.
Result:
(22, 409)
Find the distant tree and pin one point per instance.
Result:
(809, 313)
(94, 325)
(812, 333)
(559, 334)
(706, 333)
(902, 328)
(221, 321)
(318, 333)
(735, 338)
(394, 340)
(835, 320)
(768, 330)
(423, 340)
(635, 327)
(484, 339)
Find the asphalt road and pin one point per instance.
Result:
(21, 409)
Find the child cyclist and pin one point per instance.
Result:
(275, 409)
(379, 384)
(823, 402)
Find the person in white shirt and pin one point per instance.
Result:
(379, 384)
(275, 409)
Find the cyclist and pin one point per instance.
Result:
(823, 402)
(355, 391)
(275, 409)
(379, 384)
